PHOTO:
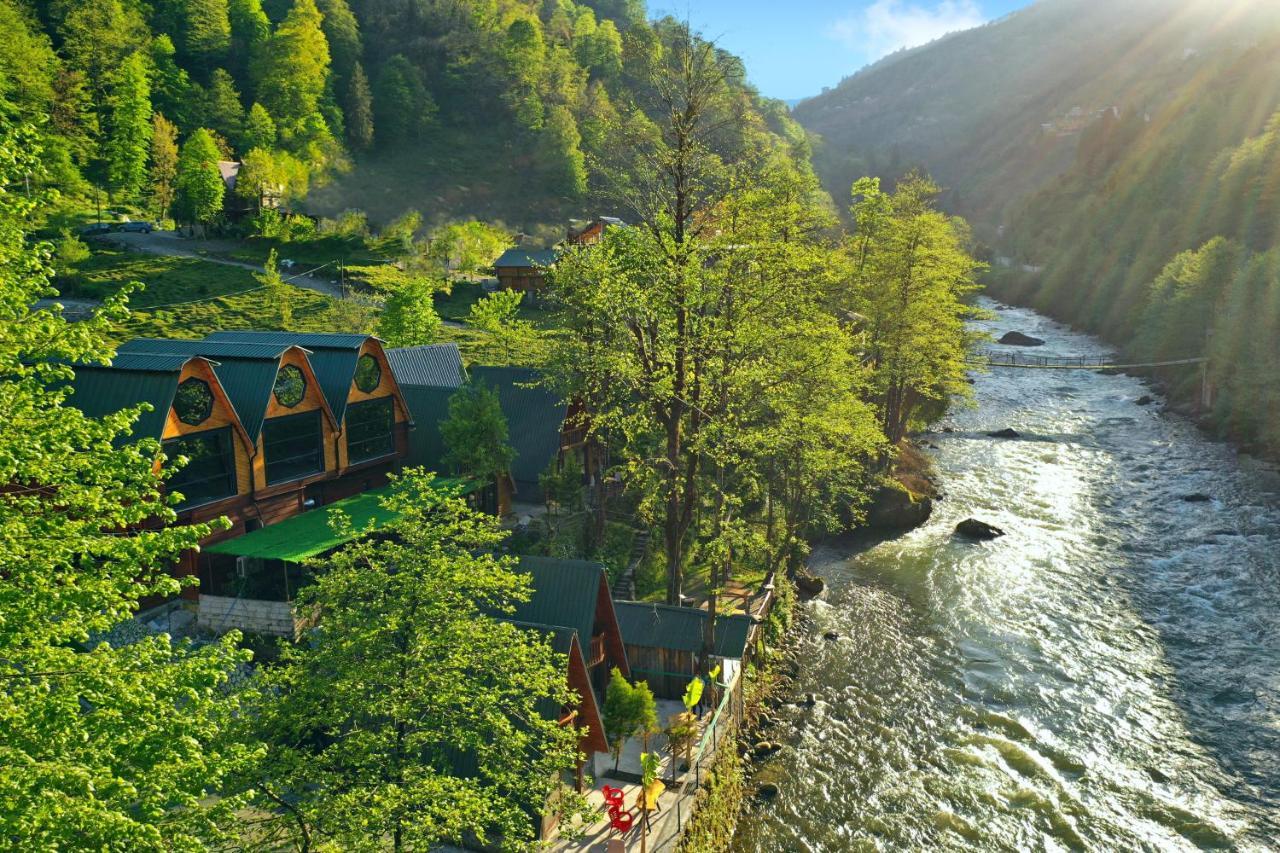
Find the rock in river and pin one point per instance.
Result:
(765, 748)
(971, 528)
(1017, 339)
(1144, 400)
(767, 791)
(1005, 433)
(1197, 498)
(893, 507)
(808, 584)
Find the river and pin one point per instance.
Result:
(1104, 677)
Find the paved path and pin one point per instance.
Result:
(175, 244)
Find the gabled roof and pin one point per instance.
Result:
(428, 407)
(526, 258)
(564, 593)
(333, 358)
(430, 366)
(679, 628)
(100, 390)
(247, 371)
(535, 416)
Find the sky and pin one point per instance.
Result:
(793, 48)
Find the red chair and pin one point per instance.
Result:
(613, 797)
(620, 820)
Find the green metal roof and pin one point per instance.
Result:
(527, 258)
(333, 358)
(304, 536)
(564, 593)
(99, 390)
(679, 628)
(535, 416)
(429, 366)
(246, 371)
(428, 407)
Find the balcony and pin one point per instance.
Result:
(596, 652)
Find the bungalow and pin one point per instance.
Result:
(664, 643)
(273, 428)
(591, 233)
(522, 269)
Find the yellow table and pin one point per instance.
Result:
(648, 798)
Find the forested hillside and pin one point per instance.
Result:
(1123, 163)
(495, 109)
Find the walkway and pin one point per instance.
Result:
(992, 358)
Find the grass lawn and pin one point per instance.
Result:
(307, 253)
(167, 279)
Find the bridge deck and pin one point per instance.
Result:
(1026, 361)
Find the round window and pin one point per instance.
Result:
(368, 374)
(193, 403)
(291, 386)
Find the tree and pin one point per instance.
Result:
(646, 711)
(414, 716)
(207, 30)
(278, 292)
(129, 128)
(468, 247)
(560, 156)
(618, 714)
(259, 175)
(164, 164)
(409, 318)
(475, 433)
(259, 129)
(97, 37)
(223, 110)
(402, 106)
(250, 30)
(498, 315)
(342, 31)
(111, 740)
(291, 73)
(199, 182)
(172, 90)
(359, 109)
(910, 274)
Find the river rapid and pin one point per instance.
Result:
(1104, 677)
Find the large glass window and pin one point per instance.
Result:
(293, 447)
(370, 428)
(211, 473)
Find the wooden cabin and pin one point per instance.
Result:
(523, 269)
(592, 232)
(665, 643)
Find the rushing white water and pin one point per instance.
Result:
(1104, 677)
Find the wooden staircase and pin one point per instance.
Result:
(626, 587)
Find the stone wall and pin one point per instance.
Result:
(219, 614)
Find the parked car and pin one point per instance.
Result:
(95, 229)
(138, 227)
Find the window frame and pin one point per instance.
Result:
(387, 443)
(315, 416)
(226, 451)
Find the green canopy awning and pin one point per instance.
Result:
(305, 536)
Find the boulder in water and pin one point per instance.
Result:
(808, 584)
(1005, 433)
(767, 791)
(1017, 339)
(765, 748)
(893, 507)
(971, 528)
(1144, 400)
(831, 636)
(1197, 498)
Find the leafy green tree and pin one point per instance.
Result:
(475, 435)
(97, 37)
(563, 165)
(409, 317)
(250, 30)
(291, 73)
(646, 711)
(259, 129)
(199, 182)
(28, 64)
(911, 273)
(129, 128)
(207, 30)
(358, 109)
(164, 164)
(172, 90)
(278, 292)
(223, 110)
(402, 106)
(497, 314)
(618, 714)
(110, 742)
(342, 31)
(524, 55)
(413, 716)
(468, 247)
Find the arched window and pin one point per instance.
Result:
(368, 374)
(193, 404)
(291, 386)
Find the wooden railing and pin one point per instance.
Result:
(596, 652)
